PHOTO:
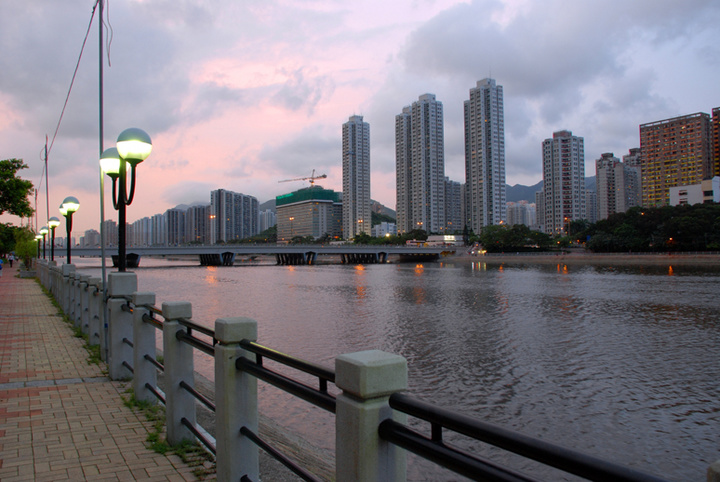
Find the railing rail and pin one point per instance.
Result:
(570, 461)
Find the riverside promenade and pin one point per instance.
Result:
(62, 418)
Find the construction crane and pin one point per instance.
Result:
(311, 178)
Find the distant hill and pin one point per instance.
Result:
(518, 192)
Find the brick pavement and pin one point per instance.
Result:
(61, 418)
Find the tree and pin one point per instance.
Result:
(13, 190)
(25, 246)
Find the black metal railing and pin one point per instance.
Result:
(318, 397)
(477, 468)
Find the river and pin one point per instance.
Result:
(621, 363)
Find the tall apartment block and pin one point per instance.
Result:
(233, 216)
(563, 181)
(356, 217)
(420, 166)
(618, 183)
(453, 206)
(675, 152)
(485, 197)
(197, 224)
(716, 140)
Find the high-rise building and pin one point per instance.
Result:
(716, 140)
(675, 152)
(420, 166)
(356, 177)
(233, 216)
(197, 225)
(485, 155)
(453, 206)
(175, 226)
(563, 181)
(266, 220)
(313, 211)
(521, 212)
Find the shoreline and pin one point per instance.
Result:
(598, 259)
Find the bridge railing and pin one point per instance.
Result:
(371, 413)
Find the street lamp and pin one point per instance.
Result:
(44, 230)
(38, 237)
(292, 231)
(133, 147)
(53, 222)
(67, 209)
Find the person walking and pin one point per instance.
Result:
(11, 258)
(1, 267)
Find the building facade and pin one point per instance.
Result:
(356, 177)
(521, 212)
(618, 183)
(675, 152)
(312, 211)
(708, 191)
(233, 216)
(563, 181)
(420, 166)
(485, 155)
(453, 206)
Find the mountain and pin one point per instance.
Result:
(518, 192)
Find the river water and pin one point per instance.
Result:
(621, 363)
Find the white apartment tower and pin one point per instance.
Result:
(420, 166)
(356, 217)
(485, 196)
(563, 181)
(233, 216)
(618, 183)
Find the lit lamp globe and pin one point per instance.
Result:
(134, 145)
(69, 206)
(53, 222)
(110, 162)
(44, 230)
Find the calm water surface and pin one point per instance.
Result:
(619, 363)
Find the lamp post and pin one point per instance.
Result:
(67, 209)
(53, 222)
(292, 231)
(38, 237)
(133, 147)
(44, 230)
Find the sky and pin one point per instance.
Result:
(239, 95)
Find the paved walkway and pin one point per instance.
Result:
(60, 417)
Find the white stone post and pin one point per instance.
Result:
(179, 367)
(84, 303)
(65, 291)
(94, 310)
(236, 403)
(144, 340)
(120, 285)
(713, 472)
(367, 379)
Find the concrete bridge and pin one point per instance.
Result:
(290, 254)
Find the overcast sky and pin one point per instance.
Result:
(241, 94)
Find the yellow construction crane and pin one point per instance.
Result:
(311, 178)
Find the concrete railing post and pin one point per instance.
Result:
(179, 367)
(65, 291)
(367, 379)
(94, 310)
(84, 304)
(236, 402)
(144, 340)
(120, 286)
(713, 472)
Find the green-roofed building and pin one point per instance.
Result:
(313, 211)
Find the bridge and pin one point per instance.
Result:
(285, 254)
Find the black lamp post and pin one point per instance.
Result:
(53, 222)
(44, 230)
(67, 209)
(38, 237)
(133, 147)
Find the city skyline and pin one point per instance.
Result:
(242, 97)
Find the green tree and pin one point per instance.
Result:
(25, 246)
(13, 190)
